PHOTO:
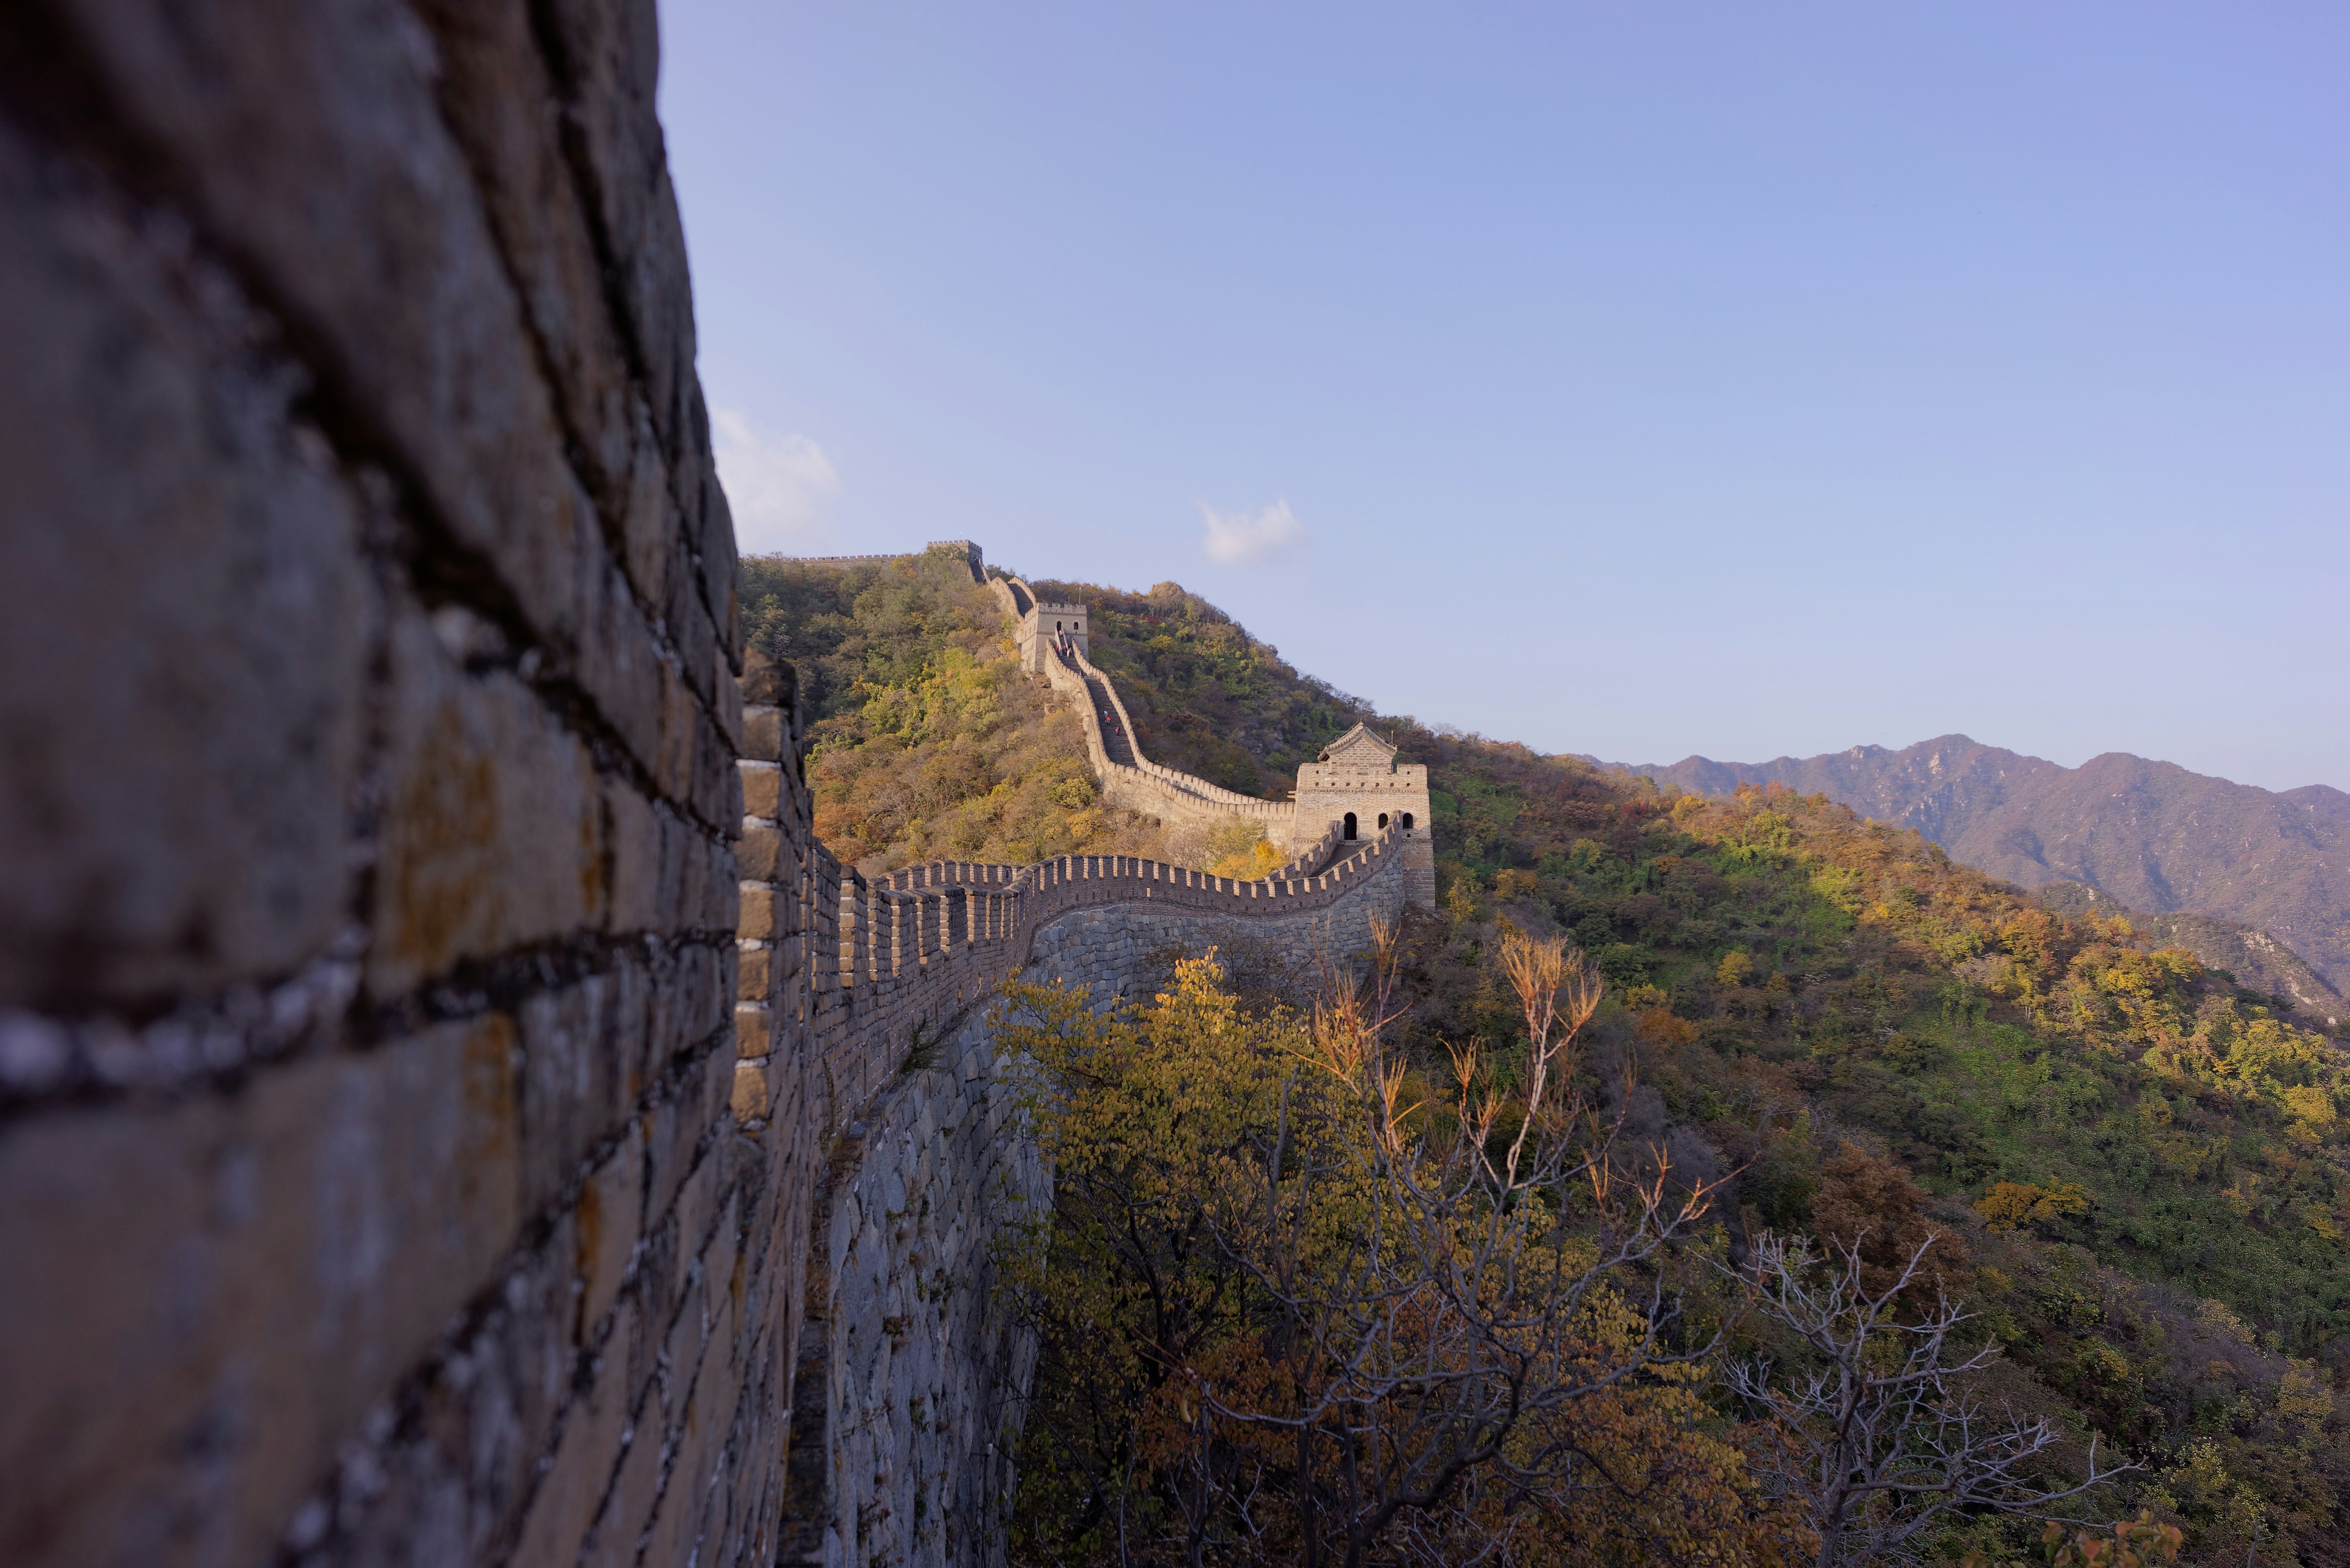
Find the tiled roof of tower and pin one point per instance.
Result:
(1359, 747)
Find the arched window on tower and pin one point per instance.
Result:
(1407, 821)
(1383, 819)
(1350, 824)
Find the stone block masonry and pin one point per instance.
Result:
(452, 1110)
(369, 712)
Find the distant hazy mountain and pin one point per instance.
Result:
(2151, 835)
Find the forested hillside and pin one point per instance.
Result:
(2151, 835)
(929, 742)
(2138, 1169)
(2249, 956)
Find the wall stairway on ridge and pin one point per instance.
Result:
(1129, 779)
(1117, 743)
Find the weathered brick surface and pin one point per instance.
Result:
(183, 636)
(206, 1295)
(367, 883)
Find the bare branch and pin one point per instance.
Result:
(1878, 1433)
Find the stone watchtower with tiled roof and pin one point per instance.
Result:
(1358, 786)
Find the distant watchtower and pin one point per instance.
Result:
(1043, 625)
(1357, 785)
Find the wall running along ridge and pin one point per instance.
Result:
(451, 1111)
(1175, 799)
(909, 1376)
(1346, 780)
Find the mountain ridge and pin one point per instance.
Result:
(2152, 835)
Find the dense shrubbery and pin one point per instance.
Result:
(2146, 1167)
(2136, 1175)
(928, 742)
(1287, 1316)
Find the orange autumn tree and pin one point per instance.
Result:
(1297, 1304)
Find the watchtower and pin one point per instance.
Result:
(1045, 624)
(1357, 785)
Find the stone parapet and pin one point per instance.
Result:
(385, 1181)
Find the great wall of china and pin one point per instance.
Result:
(452, 1110)
(1356, 787)
(862, 1025)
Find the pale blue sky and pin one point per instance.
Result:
(1637, 379)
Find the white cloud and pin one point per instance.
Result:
(1239, 539)
(775, 487)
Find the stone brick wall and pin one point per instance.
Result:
(866, 1088)
(368, 709)
(451, 1111)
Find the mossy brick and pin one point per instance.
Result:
(275, 1259)
(174, 812)
(493, 825)
(608, 1224)
(408, 206)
